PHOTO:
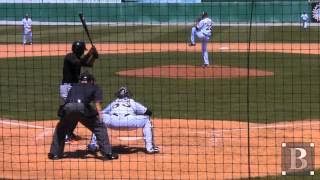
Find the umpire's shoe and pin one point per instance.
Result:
(55, 156)
(110, 156)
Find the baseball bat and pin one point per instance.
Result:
(84, 25)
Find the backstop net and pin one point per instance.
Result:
(212, 89)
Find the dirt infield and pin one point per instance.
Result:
(13, 50)
(194, 72)
(190, 149)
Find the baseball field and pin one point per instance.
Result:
(227, 121)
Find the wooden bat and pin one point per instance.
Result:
(84, 25)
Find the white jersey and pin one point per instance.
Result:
(304, 17)
(205, 26)
(124, 107)
(27, 23)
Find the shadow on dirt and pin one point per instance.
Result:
(84, 154)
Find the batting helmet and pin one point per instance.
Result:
(123, 92)
(86, 77)
(78, 47)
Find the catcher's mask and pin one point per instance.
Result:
(78, 47)
(123, 92)
(86, 77)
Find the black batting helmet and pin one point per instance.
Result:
(78, 47)
(86, 77)
(123, 92)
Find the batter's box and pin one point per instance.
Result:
(298, 159)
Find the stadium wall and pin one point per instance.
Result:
(221, 12)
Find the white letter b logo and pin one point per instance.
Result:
(294, 158)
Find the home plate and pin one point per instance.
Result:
(224, 48)
(129, 138)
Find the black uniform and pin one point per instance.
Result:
(71, 71)
(77, 108)
(72, 68)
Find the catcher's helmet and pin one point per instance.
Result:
(78, 47)
(86, 77)
(123, 92)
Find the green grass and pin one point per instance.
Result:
(29, 87)
(292, 177)
(153, 34)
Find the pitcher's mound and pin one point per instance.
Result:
(192, 72)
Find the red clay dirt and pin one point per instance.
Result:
(190, 149)
(14, 50)
(194, 72)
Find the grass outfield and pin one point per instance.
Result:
(296, 177)
(29, 87)
(149, 34)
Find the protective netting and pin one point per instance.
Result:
(218, 89)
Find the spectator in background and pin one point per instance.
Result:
(304, 18)
(27, 30)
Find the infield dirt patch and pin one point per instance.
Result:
(194, 72)
(190, 149)
(18, 50)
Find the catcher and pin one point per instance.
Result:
(125, 113)
(71, 71)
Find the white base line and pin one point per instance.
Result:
(44, 134)
(39, 136)
(25, 125)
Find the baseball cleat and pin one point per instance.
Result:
(110, 156)
(191, 44)
(153, 150)
(205, 65)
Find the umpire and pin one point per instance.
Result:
(78, 108)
